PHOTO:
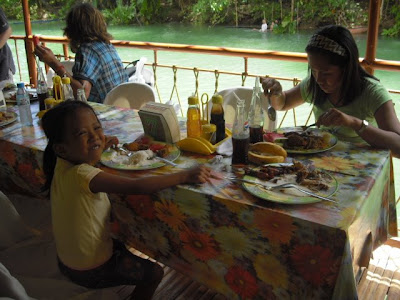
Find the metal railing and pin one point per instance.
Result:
(244, 73)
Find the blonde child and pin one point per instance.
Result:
(80, 207)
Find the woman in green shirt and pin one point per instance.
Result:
(353, 103)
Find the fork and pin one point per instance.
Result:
(117, 148)
(281, 186)
(305, 127)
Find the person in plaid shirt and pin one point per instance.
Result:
(98, 67)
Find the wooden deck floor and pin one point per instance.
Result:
(380, 281)
(382, 278)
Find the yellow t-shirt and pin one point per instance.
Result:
(80, 217)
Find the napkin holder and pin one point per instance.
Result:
(160, 122)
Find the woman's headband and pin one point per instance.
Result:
(322, 42)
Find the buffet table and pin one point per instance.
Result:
(222, 236)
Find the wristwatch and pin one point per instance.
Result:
(364, 125)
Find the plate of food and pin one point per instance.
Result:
(10, 95)
(7, 117)
(302, 176)
(139, 155)
(298, 141)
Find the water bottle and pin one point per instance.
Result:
(193, 123)
(240, 135)
(41, 89)
(217, 117)
(24, 105)
(256, 115)
(67, 89)
(80, 95)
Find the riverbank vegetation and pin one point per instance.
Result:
(291, 15)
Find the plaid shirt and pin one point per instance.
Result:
(100, 64)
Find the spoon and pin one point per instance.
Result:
(271, 111)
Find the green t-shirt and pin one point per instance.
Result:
(363, 107)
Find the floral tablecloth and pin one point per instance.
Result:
(227, 239)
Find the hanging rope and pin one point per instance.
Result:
(154, 65)
(244, 77)
(216, 73)
(175, 88)
(196, 84)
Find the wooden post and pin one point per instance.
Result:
(30, 57)
(372, 37)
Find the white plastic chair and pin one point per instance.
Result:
(244, 93)
(130, 95)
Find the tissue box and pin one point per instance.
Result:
(160, 122)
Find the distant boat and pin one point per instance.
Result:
(358, 30)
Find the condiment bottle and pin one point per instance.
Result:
(80, 95)
(256, 115)
(240, 135)
(217, 117)
(67, 89)
(57, 88)
(41, 88)
(193, 123)
(208, 131)
(50, 103)
(24, 105)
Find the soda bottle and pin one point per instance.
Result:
(193, 123)
(217, 117)
(240, 135)
(67, 89)
(24, 105)
(80, 95)
(256, 115)
(41, 89)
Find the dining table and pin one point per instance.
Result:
(225, 237)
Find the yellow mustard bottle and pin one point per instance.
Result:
(193, 123)
(57, 88)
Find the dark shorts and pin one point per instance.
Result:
(123, 268)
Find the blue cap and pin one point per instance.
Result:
(20, 84)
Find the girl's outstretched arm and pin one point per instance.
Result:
(110, 183)
(111, 140)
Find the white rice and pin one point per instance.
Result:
(139, 158)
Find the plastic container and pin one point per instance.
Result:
(80, 95)
(256, 115)
(57, 88)
(49, 103)
(193, 123)
(208, 132)
(67, 89)
(24, 105)
(217, 117)
(240, 136)
(41, 89)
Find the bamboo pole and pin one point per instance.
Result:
(29, 44)
(372, 37)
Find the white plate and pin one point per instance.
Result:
(290, 195)
(107, 160)
(12, 116)
(332, 140)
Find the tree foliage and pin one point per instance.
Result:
(290, 13)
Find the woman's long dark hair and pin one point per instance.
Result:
(85, 24)
(353, 81)
(54, 125)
